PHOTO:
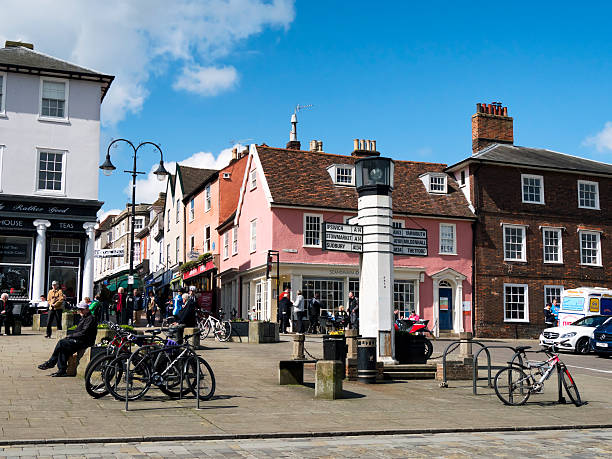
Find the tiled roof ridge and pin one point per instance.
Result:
(23, 48)
(323, 153)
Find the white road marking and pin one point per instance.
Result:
(591, 369)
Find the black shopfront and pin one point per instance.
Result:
(61, 222)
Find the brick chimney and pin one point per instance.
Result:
(294, 145)
(491, 124)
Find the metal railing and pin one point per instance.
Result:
(489, 367)
(449, 349)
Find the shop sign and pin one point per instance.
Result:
(343, 238)
(16, 224)
(68, 226)
(108, 253)
(205, 301)
(199, 270)
(409, 241)
(13, 249)
(47, 209)
(68, 262)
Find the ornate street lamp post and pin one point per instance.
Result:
(161, 173)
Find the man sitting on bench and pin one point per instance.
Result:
(83, 337)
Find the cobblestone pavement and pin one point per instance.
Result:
(248, 400)
(562, 443)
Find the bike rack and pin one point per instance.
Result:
(454, 345)
(127, 378)
(486, 348)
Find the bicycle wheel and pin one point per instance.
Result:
(115, 378)
(571, 388)
(94, 375)
(167, 375)
(428, 349)
(512, 386)
(207, 378)
(224, 332)
(205, 327)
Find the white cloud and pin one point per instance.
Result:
(102, 214)
(603, 139)
(135, 39)
(206, 81)
(148, 189)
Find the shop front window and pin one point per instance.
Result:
(15, 265)
(331, 293)
(403, 297)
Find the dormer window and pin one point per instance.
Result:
(226, 175)
(435, 182)
(342, 174)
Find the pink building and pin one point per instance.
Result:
(285, 197)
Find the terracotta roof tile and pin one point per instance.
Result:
(300, 178)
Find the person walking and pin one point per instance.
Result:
(95, 307)
(314, 310)
(83, 337)
(121, 307)
(105, 300)
(56, 299)
(353, 307)
(151, 309)
(554, 308)
(298, 308)
(6, 314)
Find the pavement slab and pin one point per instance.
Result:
(249, 401)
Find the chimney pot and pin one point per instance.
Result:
(368, 145)
(319, 145)
(355, 144)
(313, 145)
(374, 145)
(235, 153)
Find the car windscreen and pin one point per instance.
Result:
(591, 321)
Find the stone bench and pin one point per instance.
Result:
(292, 371)
(76, 362)
(194, 340)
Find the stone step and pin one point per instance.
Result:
(411, 367)
(410, 375)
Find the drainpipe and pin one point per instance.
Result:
(476, 200)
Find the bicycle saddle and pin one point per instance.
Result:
(522, 348)
(155, 331)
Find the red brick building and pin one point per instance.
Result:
(544, 224)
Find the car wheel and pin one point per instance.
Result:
(582, 346)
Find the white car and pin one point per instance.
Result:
(577, 334)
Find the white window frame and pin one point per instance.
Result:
(192, 209)
(168, 254)
(598, 235)
(526, 304)
(139, 219)
(454, 226)
(2, 147)
(226, 245)
(54, 119)
(531, 176)
(524, 245)
(207, 199)
(161, 252)
(3, 95)
(560, 253)
(178, 210)
(60, 192)
(253, 238)
(444, 183)
(587, 182)
(169, 218)
(207, 239)
(178, 248)
(253, 179)
(191, 243)
(320, 217)
(234, 240)
(561, 289)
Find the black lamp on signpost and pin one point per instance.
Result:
(161, 173)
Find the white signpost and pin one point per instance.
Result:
(407, 241)
(343, 238)
(108, 253)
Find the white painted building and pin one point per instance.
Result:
(49, 156)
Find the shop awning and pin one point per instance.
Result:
(122, 281)
(200, 269)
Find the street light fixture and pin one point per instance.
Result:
(161, 173)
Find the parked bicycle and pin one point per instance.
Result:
(222, 329)
(515, 383)
(173, 368)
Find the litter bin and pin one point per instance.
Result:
(334, 348)
(366, 360)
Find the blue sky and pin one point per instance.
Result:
(407, 74)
